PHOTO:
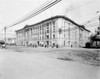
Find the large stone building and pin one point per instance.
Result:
(57, 30)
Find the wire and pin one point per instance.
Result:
(39, 2)
(1, 30)
(93, 25)
(47, 5)
(30, 13)
(37, 11)
(81, 5)
(91, 20)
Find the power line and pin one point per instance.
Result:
(93, 25)
(30, 13)
(91, 20)
(93, 17)
(37, 12)
(80, 6)
(39, 2)
(1, 30)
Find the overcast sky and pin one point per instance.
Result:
(78, 10)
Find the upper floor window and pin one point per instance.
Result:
(47, 36)
(31, 31)
(47, 27)
(98, 33)
(40, 27)
(47, 24)
(53, 28)
(53, 22)
(42, 37)
(47, 31)
(69, 24)
(80, 35)
(53, 36)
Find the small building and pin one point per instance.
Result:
(11, 41)
(57, 30)
(95, 39)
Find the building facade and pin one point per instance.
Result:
(58, 30)
(95, 39)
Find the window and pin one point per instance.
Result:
(31, 32)
(47, 31)
(64, 35)
(60, 30)
(80, 35)
(68, 23)
(53, 36)
(98, 33)
(40, 27)
(47, 24)
(47, 36)
(47, 27)
(43, 32)
(53, 28)
(64, 42)
(53, 22)
(40, 32)
(42, 37)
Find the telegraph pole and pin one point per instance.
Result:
(99, 21)
(5, 34)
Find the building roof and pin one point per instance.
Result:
(55, 17)
(85, 28)
(19, 30)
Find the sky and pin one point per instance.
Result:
(79, 11)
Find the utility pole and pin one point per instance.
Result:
(99, 21)
(5, 34)
(69, 35)
(98, 30)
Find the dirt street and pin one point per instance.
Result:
(22, 65)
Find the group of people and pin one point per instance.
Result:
(46, 46)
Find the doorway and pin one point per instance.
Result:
(47, 43)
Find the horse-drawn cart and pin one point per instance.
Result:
(2, 44)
